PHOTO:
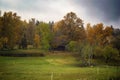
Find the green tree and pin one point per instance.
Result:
(87, 54)
(98, 52)
(72, 46)
(43, 30)
(110, 53)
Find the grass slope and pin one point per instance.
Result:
(52, 67)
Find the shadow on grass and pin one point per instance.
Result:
(22, 53)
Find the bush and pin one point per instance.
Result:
(98, 52)
(72, 46)
(110, 53)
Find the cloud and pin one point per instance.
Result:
(9, 3)
(93, 11)
(102, 10)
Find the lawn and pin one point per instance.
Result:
(53, 67)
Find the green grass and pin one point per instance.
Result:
(52, 67)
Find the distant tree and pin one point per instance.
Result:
(74, 26)
(98, 52)
(107, 35)
(98, 35)
(10, 25)
(45, 35)
(72, 46)
(22, 33)
(30, 33)
(110, 53)
(87, 54)
(90, 34)
(116, 39)
(37, 41)
(51, 24)
(116, 43)
(60, 38)
(24, 42)
(71, 27)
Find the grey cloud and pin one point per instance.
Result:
(107, 9)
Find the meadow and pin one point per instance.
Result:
(56, 66)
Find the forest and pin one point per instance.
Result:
(88, 44)
(68, 34)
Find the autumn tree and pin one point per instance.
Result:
(60, 37)
(24, 42)
(98, 34)
(1, 43)
(74, 27)
(10, 25)
(107, 35)
(22, 34)
(30, 33)
(90, 34)
(37, 41)
(69, 29)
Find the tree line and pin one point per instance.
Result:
(69, 34)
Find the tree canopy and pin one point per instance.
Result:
(68, 34)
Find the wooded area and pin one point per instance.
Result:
(69, 34)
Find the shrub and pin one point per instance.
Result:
(72, 46)
(110, 53)
(98, 52)
(87, 53)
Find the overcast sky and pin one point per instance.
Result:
(93, 11)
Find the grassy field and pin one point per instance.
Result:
(53, 67)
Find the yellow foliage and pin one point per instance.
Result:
(97, 34)
(37, 40)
